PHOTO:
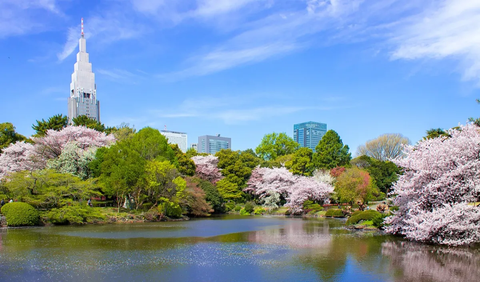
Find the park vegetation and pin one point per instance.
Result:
(89, 173)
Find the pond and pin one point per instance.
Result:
(228, 248)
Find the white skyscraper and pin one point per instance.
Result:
(179, 138)
(83, 90)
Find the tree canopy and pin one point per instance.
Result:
(274, 145)
(8, 135)
(56, 122)
(330, 152)
(384, 147)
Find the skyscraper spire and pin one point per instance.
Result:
(83, 90)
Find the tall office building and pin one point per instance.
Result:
(212, 144)
(308, 134)
(83, 90)
(179, 138)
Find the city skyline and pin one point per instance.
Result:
(249, 68)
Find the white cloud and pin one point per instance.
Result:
(71, 44)
(22, 17)
(120, 75)
(449, 29)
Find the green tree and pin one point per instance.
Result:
(162, 181)
(123, 131)
(435, 132)
(121, 167)
(301, 162)
(384, 173)
(229, 190)
(86, 121)
(56, 122)
(330, 152)
(49, 189)
(8, 135)
(274, 145)
(354, 185)
(236, 166)
(212, 195)
(186, 166)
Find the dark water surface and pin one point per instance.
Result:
(229, 248)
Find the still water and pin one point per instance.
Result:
(229, 248)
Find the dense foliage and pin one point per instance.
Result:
(274, 145)
(441, 176)
(354, 185)
(8, 135)
(20, 214)
(56, 122)
(363, 215)
(330, 152)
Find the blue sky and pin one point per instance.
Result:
(245, 68)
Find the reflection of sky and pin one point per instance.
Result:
(196, 228)
(263, 249)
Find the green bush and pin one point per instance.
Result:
(259, 211)
(238, 208)
(364, 215)
(393, 208)
(310, 206)
(244, 212)
(378, 220)
(170, 209)
(334, 213)
(74, 214)
(20, 214)
(229, 206)
(249, 207)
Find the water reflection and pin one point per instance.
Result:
(418, 262)
(230, 249)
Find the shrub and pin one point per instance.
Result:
(74, 214)
(259, 211)
(249, 207)
(229, 206)
(310, 206)
(334, 213)
(20, 214)
(238, 208)
(378, 220)
(244, 212)
(364, 215)
(169, 208)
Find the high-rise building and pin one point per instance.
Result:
(212, 144)
(83, 90)
(179, 138)
(194, 146)
(308, 134)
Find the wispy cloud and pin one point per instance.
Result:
(123, 76)
(110, 26)
(22, 17)
(234, 110)
(449, 29)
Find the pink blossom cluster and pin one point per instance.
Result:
(24, 156)
(206, 168)
(296, 189)
(441, 177)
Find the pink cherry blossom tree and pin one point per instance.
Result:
(206, 168)
(441, 177)
(24, 156)
(271, 183)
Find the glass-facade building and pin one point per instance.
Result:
(308, 134)
(212, 144)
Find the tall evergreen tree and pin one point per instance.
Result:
(56, 122)
(330, 152)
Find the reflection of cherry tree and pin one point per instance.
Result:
(268, 183)
(420, 262)
(206, 168)
(441, 176)
(296, 234)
